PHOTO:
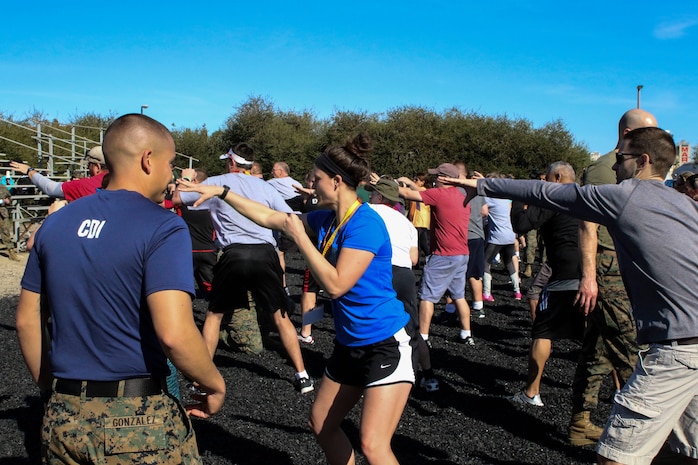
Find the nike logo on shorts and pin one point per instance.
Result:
(386, 366)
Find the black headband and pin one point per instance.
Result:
(328, 166)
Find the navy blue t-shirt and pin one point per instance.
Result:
(96, 261)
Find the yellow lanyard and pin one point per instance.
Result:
(329, 238)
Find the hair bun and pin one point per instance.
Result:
(360, 145)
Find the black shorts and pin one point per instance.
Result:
(248, 267)
(387, 362)
(406, 290)
(557, 317)
(476, 262)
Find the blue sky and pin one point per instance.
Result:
(194, 63)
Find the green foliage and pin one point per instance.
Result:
(275, 135)
(407, 139)
(197, 144)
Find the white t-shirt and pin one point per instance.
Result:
(403, 234)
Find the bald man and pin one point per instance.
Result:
(610, 338)
(556, 316)
(115, 269)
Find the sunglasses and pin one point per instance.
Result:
(621, 157)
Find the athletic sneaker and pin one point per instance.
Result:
(521, 398)
(429, 384)
(304, 385)
(517, 296)
(468, 341)
(309, 339)
(481, 313)
(487, 298)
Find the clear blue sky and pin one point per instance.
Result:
(193, 63)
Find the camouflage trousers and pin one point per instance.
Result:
(610, 339)
(240, 329)
(117, 430)
(6, 237)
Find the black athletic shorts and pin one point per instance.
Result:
(390, 361)
(248, 267)
(557, 317)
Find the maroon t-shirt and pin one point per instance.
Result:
(82, 187)
(449, 220)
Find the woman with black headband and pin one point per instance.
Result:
(374, 343)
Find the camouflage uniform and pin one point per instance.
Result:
(240, 329)
(105, 430)
(610, 339)
(6, 236)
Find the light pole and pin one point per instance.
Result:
(639, 88)
(143, 107)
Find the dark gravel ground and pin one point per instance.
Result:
(469, 421)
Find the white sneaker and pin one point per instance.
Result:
(521, 398)
(309, 339)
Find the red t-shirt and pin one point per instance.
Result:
(82, 187)
(449, 220)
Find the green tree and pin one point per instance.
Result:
(275, 135)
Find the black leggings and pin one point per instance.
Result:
(507, 253)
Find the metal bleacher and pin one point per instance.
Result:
(62, 151)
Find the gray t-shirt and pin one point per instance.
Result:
(654, 229)
(499, 222)
(231, 227)
(476, 229)
(285, 186)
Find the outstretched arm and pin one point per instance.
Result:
(255, 211)
(46, 185)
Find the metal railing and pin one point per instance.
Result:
(64, 156)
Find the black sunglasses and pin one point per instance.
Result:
(621, 157)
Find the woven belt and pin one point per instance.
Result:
(681, 342)
(135, 387)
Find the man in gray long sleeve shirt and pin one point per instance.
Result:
(644, 217)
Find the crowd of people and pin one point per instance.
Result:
(101, 332)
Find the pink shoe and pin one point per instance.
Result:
(487, 298)
(517, 296)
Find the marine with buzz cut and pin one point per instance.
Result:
(115, 273)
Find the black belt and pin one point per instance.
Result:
(680, 342)
(135, 387)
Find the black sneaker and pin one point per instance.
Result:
(446, 318)
(429, 384)
(468, 341)
(304, 385)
